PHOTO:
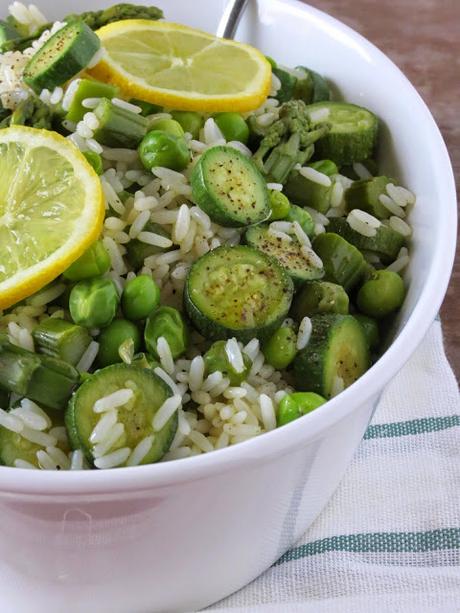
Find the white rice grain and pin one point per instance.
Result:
(167, 379)
(361, 171)
(363, 223)
(234, 355)
(114, 459)
(337, 194)
(103, 426)
(182, 224)
(11, 422)
(77, 460)
(100, 449)
(399, 225)
(196, 373)
(140, 451)
(139, 224)
(165, 412)
(391, 205)
(200, 441)
(267, 412)
(150, 238)
(88, 357)
(399, 264)
(303, 336)
(88, 103)
(252, 348)
(127, 106)
(114, 400)
(59, 457)
(338, 385)
(315, 176)
(45, 461)
(319, 115)
(41, 438)
(165, 355)
(23, 464)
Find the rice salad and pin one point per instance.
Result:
(246, 263)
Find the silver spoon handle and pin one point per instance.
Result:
(231, 18)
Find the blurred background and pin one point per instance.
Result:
(423, 38)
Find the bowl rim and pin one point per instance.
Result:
(291, 437)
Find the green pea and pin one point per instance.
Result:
(327, 167)
(169, 323)
(167, 125)
(190, 121)
(95, 161)
(93, 263)
(93, 303)
(112, 337)
(279, 205)
(216, 358)
(371, 330)
(382, 294)
(280, 349)
(158, 148)
(147, 107)
(140, 297)
(233, 127)
(294, 405)
(303, 218)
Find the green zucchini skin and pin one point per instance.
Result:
(343, 263)
(150, 394)
(288, 254)
(229, 188)
(63, 56)
(386, 243)
(319, 297)
(237, 292)
(353, 134)
(337, 347)
(364, 195)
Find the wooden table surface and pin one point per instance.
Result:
(423, 38)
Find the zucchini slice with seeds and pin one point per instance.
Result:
(337, 352)
(229, 188)
(63, 56)
(300, 264)
(150, 392)
(353, 134)
(237, 291)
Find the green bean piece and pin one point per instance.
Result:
(168, 323)
(46, 380)
(279, 205)
(327, 167)
(303, 218)
(93, 303)
(140, 297)
(95, 160)
(158, 148)
(294, 405)
(88, 88)
(61, 339)
(233, 127)
(288, 81)
(280, 349)
(312, 87)
(118, 127)
(365, 195)
(371, 330)
(93, 263)
(170, 126)
(216, 359)
(305, 192)
(383, 294)
(190, 121)
(317, 297)
(112, 337)
(147, 107)
(343, 263)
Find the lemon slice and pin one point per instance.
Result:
(51, 209)
(182, 68)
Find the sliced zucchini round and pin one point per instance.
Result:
(64, 55)
(300, 264)
(386, 243)
(237, 291)
(229, 188)
(353, 134)
(150, 392)
(336, 355)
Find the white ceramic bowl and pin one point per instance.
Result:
(178, 536)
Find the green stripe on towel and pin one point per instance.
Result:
(414, 426)
(378, 542)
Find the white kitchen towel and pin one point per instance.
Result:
(389, 539)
